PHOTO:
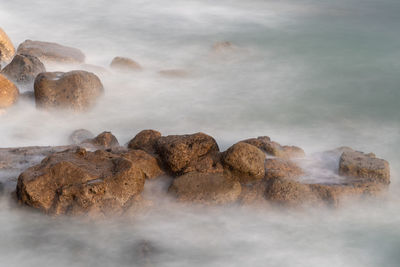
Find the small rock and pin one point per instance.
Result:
(275, 149)
(51, 52)
(8, 92)
(146, 140)
(23, 69)
(246, 160)
(7, 49)
(80, 135)
(125, 64)
(76, 90)
(205, 188)
(104, 140)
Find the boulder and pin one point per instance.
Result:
(275, 149)
(23, 69)
(181, 153)
(51, 52)
(80, 182)
(76, 90)
(281, 168)
(8, 92)
(80, 135)
(146, 162)
(359, 165)
(125, 64)
(246, 161)
(146, 140)
(205, 188)
(7, 49)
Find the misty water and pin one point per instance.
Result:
(318, 74)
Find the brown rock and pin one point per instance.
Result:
(246, 161)
(146, 140)
(7, 50)
(76, 90)
(356, 164)
(51, 52)
(275, 149)
(80, 135)
(281, 168)
(104, 140)
(23, 69)
(205, 188)
(180, 153)
(81, 182)
(125, 64)
(8, 92)
(147, 163)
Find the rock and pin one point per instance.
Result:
(246, 161)
(146, 140)
(104, 140)
(125, 64)
(180, 153)
(8, 92)
(147, 163)
(174, 73)
(356, 164)
(7, 49)
(23, 69)
(51, 52)
(80, 135)
(275, 149)
(281, 168)
(76, 90)
(80, 182)
(205, 188)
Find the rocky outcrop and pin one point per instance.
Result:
(205, 188)
(7, 49)
(8, 92)
(246, 161)
(51, 52)
(186, 153)
(80, 182)
(146, 140)
(23, 69)
(358, 165)
(275, 149)
(76, 90)
(125, 64)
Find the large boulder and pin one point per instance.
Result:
(205, 188)
(275, 149)
(51, 52)
(7, 49)
(246, 161)
(23, 69)
(80, 182)
(8, 92)
(359, 165)
(125, 64)
(146, 140)
(182, 153)
(76, 90)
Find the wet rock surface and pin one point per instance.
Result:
(7, 49)
(8, 92)
(51, 52)
(75, 90)
(23, 69)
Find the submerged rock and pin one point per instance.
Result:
(80, 135)
(275, 149)
(51, 52)
(8, 92)
(80, 182)
(125, 64)
(7, 49)
(146, 140)
(76, 90)
(23, 69)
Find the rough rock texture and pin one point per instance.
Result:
(146, 162)
(104, 140)
(80, 182)
(181, 153)
(273, 148)
(125, 64)
(174, 73)
(23, 69)
(51, 52)
(8, 92)
(356, 164)
(145, 140)
(7, 49)
(281, 168)
(205, 188)
(80, 135)
(245, 160)
(76, 90)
